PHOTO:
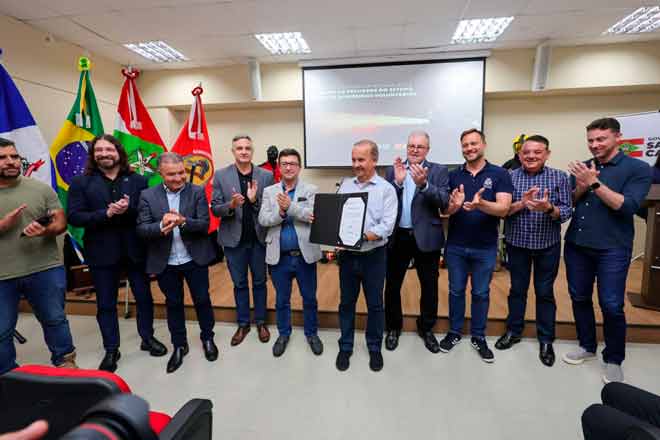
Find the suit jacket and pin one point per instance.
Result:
(194, 206)
(427, 225)
(300, 209)
(225, 183)
(106, 240)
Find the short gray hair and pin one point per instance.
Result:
(373, 147)
(421, 133)
(238, 137)
(169, 157)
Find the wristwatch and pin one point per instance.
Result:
(364, 237)
(551, 209)
(594, 186)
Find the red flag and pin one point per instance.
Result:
(194, 146)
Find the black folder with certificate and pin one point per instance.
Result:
(339, 219)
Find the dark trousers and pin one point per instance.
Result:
(402, 250)
(546, 264)
(609, 268)
(45, 291)
(106, 284)
(239, 259)
(170, 282)
(366, 270)
(282, 274)
(623, 408)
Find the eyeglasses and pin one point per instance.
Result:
(289, 164)
(417, 147)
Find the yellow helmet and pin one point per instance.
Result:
(518, 142)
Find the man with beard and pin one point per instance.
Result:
(104, 201)
(237, 195)
(366, 267)
(608, 190)
(31, 218)
(472, 238)
(541, 203)
(421, 188)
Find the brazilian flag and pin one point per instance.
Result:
(68, 151)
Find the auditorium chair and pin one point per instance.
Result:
(61, 396)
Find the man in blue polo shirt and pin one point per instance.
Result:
(607, 191)
(480, 195)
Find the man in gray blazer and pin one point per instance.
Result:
(173, 220)
(422, 190)
(237, 191)
(287, 210)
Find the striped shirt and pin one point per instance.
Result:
(532, 229)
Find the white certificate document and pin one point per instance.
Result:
(350, 227)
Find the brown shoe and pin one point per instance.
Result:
(264, 334)
(240, 334)
(68, 361)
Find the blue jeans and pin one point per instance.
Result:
(368, 270)
(461, 262)
(45, 292)
(546, 264)
(609, 268)
(239, 258)
(106, 284)
(282, 275)
(170, 282)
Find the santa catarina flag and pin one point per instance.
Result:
(18, 125)
(137, 132)
(68, 152)
(194, 146)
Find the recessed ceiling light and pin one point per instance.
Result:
(285, 43)
(480, 30)
(157, 51)
(644, 19)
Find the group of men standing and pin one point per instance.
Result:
(133, 231)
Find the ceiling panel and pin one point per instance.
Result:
(421, 35)
(537, 7)
(68, 30)
(23, 10)
(490, 8)
(379, 38)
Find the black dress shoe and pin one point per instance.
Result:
(210, 350)
(506, 341)
(280, 345)
(154, 347)
(375, 360)
(547, 354)
(109, 362)
(392, 339)
(177, 358)
(430, 342)
(343, 360)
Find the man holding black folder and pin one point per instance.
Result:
(422, 190)
(366, 266)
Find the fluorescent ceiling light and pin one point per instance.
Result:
(644, 19)
(285, 43)
(157, 51)
(480, 30)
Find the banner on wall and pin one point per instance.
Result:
(18, 125)
(641, 135)
(194, 146)
(68, 152)
(137, 132)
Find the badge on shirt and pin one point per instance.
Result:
(488, 183)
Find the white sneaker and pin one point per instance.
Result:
(613, 373)
(578, 356)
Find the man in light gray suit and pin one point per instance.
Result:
(287, 210)
(237, 191)
(173, 220)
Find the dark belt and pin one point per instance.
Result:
(364, 253)
(405, 231)
(293, 253)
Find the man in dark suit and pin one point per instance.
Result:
(237, 195)
(421, 188)
(104, 201)
(174, 220)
